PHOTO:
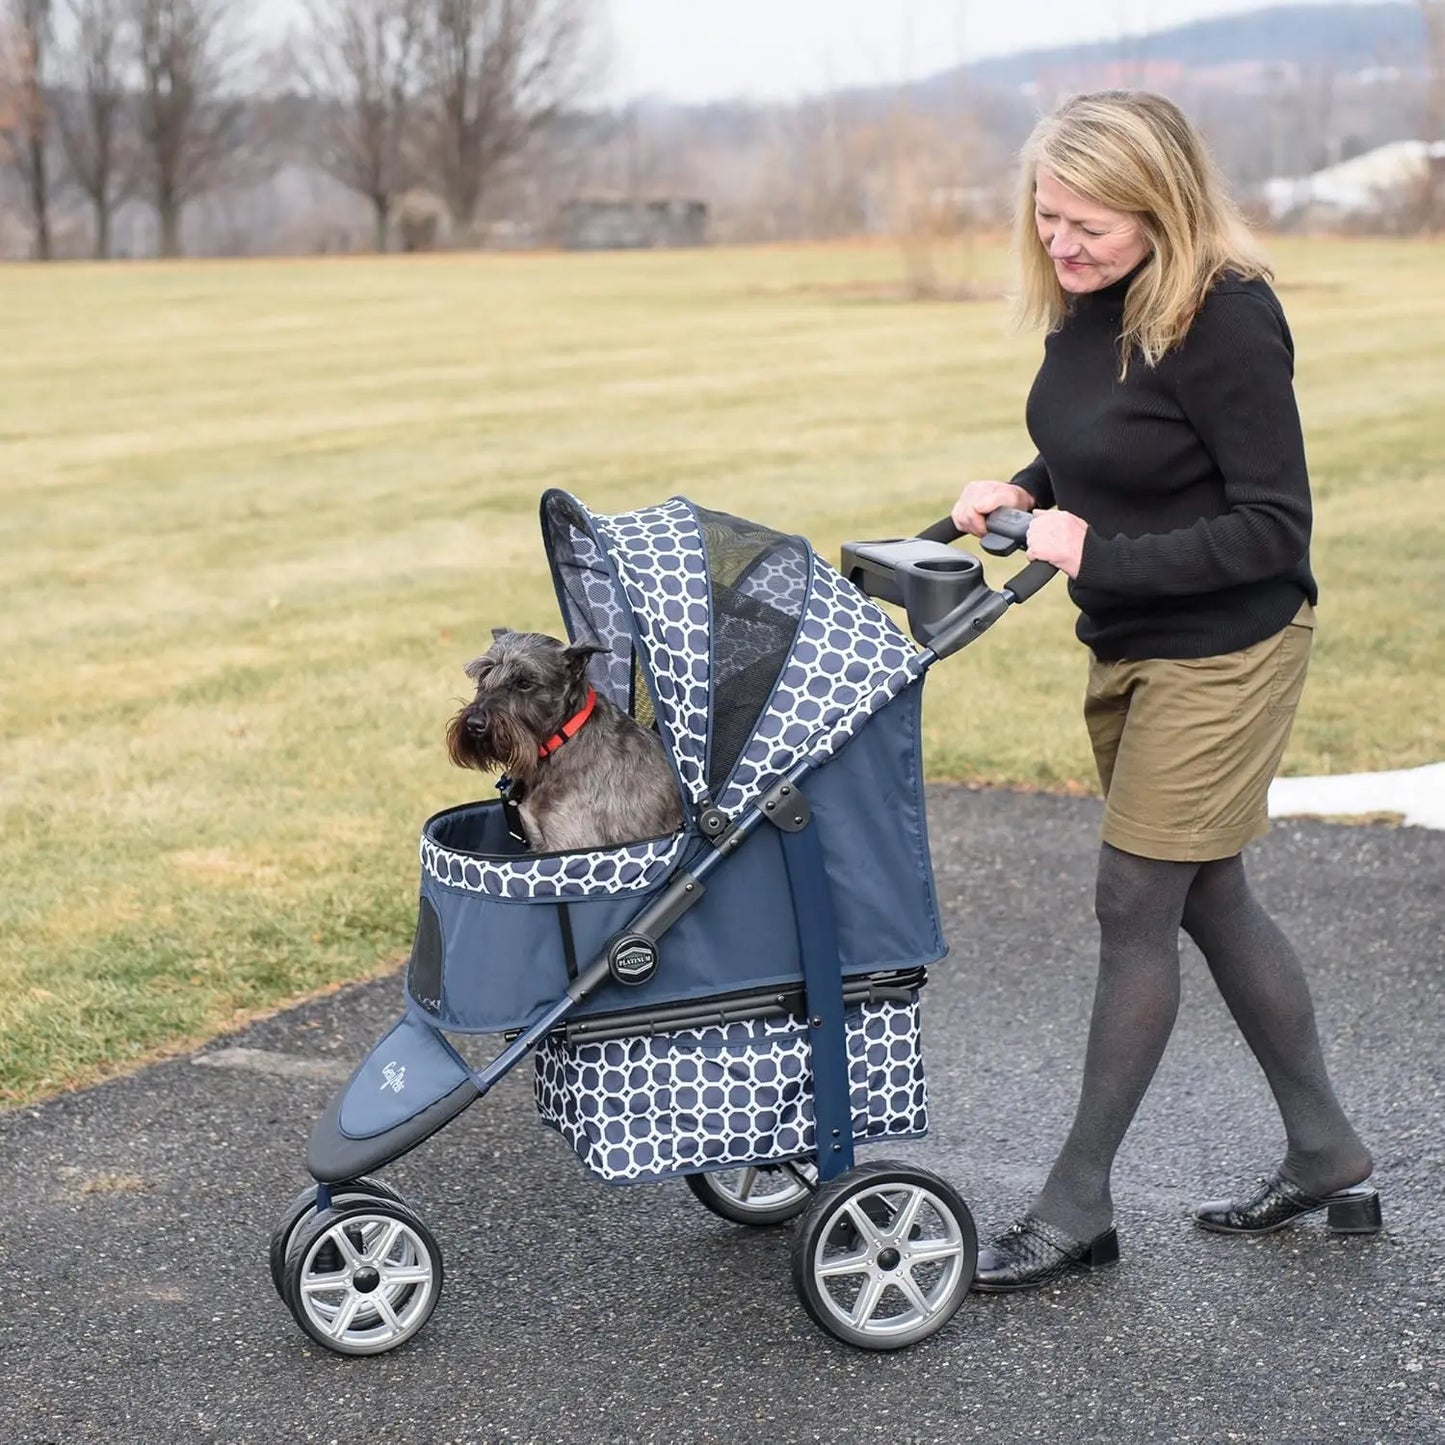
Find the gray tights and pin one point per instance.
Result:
(1141, 904)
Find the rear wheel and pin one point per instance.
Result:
(362, 1278)
(758, 1194)
(885, 1255)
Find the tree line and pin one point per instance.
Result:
(164, 101)
(471, 115)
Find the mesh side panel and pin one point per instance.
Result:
(759, 584)
(642, 708)
(591, 605)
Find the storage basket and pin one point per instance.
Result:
(651, 1106)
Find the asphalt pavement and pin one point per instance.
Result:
(136, 1305)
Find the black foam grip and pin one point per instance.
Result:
(941, 531)
(1034, 576)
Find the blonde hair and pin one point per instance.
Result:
(1136, 152)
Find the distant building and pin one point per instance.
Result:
(1379, 180)
(626, 224)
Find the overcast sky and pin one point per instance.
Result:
(772, 49)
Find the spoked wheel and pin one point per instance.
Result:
(756, 1193)
(885, 1255)
(362, 1277)
(304, 1204)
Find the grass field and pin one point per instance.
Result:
(255, 517)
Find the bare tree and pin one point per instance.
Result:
(190, 124)
(496, 71)
(91, 111)
(932, 184)
(1432, 190)
(361, 62)
(25, 108)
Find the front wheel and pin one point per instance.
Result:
(304, 1204)
(362, 1277)
(757, 1194)
(885, 1255)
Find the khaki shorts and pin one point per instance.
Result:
(1187, 748)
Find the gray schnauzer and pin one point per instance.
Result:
(585, 774)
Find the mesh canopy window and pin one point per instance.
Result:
(759, 581)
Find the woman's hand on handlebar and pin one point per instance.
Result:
(978, 499)
(1058, 538)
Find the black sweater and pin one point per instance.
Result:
(1191, 475)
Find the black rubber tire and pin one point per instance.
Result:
(709, 1194)
(303, 1204)
(310, 1233)
(828, 1224)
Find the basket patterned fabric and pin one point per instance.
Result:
(647, 1108)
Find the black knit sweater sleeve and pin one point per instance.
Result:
(1233, 380)
(1034, 479)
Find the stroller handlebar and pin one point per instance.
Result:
(942, 530)
(1008, 530)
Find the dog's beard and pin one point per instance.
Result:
(502, 746)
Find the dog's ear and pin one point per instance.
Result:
(576, 656)
(498, 633)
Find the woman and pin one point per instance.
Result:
(1173, 472)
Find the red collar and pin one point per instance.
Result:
(570, 727)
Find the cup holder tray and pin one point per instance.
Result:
(927, 579)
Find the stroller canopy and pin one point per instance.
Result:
(751, 652)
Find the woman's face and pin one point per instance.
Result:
(1090, 245)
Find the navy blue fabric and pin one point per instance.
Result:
(504, 965)
(411, 1068)
(823, 980)
(867, 804)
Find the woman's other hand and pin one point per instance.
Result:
(978, 499)
(1057, 537)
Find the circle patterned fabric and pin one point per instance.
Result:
(662, 565)
(648, 1108)
(629, 869)
(611, 671)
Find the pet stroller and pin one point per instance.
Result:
(737, 1003)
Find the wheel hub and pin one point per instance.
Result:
(888, 1259)
(365, 1279)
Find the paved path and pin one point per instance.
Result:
(137, 1306)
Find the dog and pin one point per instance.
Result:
(584, 773)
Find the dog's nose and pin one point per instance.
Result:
(476, 723)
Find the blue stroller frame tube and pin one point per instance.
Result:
(823, 987)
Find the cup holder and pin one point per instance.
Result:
(954, 565)
(929, 579)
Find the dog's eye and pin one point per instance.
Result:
(523, 684)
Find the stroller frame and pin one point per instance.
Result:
(357, 1219)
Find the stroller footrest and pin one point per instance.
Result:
(409, 1085)
(332, 1156)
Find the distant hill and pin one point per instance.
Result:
(1343, 37)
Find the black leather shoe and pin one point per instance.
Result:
(1277, 1203)
(1031, 1253)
